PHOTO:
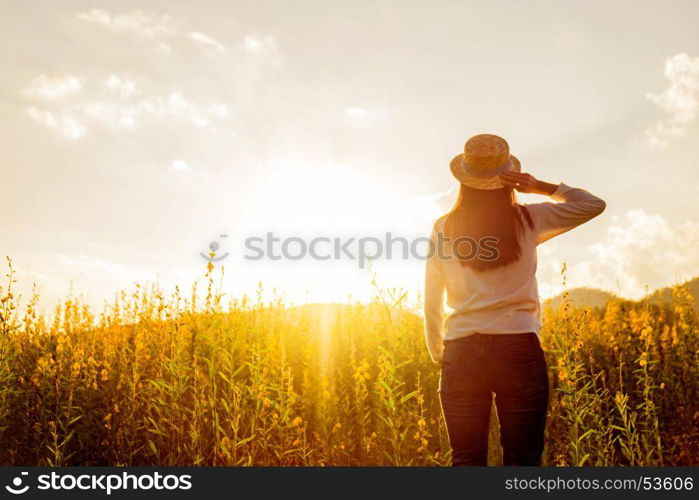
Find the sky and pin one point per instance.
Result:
(135, 133)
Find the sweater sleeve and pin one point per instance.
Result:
(576, 206)
(434, 303)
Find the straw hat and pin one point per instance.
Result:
(485, 157)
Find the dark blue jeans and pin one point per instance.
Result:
(511, 366)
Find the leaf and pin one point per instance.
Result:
(151, 444)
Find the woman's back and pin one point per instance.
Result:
(502, 299)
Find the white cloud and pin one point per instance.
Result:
(61, 123)
(157, 26)
(123, 86)
(50, 87)
(640, 250)
(135, 22)
(99, 105)
(97, 16)
(179, 165)
(110, 113)
(172, 105)
(260, 44)
(679, 101)
(207, 41)
(148, 25)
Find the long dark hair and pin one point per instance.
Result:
(492, 219)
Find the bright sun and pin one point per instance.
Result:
(332, 201)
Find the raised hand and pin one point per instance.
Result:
(526, 183)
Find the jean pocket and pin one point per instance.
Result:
(458, 371)
(451, 380)
(452, 355)
(524, 369)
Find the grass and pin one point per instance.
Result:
(175, 380)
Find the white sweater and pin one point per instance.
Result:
(504, 299)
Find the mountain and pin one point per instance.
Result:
(593, 297)
(665, 294)
(583, 296)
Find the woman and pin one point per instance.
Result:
(485, 259)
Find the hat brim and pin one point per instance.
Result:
(458, 169)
